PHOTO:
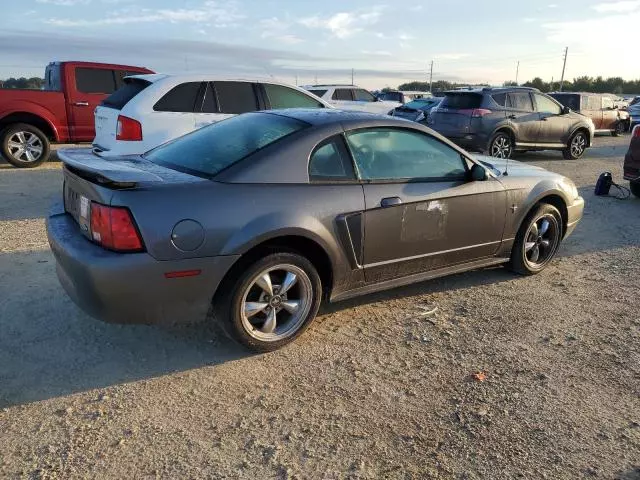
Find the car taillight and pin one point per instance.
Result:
(113, 228)
(480, 112)
(128, 129)
(636, 132)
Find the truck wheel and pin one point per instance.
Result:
(619, 130)
(24, 146)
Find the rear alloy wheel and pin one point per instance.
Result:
(537, 241)
(501, 146)
(635, 188)
(24, 146)
(619, 130)
(271, 302)
(577, 146)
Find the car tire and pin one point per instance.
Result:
(619, 130)
(24, 146)
(635, 188)
(501, 145)
(259, 306)
(576, 147)
(537, 241)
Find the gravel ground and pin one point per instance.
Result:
(512, 377)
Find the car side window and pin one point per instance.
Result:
(361, 95)
(330, 162)
(209, 103)
(236, 97)
(284, 97)
(520, 101)
(181, 98)
(546, 105)
(95, 80)
(400, 154)
(342, 94)
(607, 103)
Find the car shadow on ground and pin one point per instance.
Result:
(49, 348)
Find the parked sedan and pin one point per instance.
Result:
(632, 162)
(261, 216)
(417, 110)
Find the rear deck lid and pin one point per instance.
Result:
(455, 111)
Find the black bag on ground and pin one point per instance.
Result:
(603, 185)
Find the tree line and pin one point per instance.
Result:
(581, 84)
(35, 83)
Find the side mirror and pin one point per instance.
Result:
(566, 110)
(478, 173)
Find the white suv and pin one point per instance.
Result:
(149, 110)
(350, 97)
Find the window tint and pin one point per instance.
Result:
(181, 98)
(218, 146)
(95, 80)
(391, 96)
(236, 97)
(461, 101)
(342, 94)
(520, 101)
(361, 95)
(546, 105)
(607, 103)
(318, 93)
(285, 97)
(500, 99)
(569, 100)
(125, 93)
(396, 154)
(330, 161)
(209, 104)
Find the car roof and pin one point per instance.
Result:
(490, 90)
(205, 77)
(320, 116)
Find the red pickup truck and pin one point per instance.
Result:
(63, 112)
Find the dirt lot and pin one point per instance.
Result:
(375, 389)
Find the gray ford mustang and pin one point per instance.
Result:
(259, 217)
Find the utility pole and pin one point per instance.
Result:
(431, 78)
(551, 86)
(352, 77)
(517, 71)
(564, 65)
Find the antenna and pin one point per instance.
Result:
(506, 168)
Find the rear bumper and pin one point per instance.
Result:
(131, 288)
(574, 215)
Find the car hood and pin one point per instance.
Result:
(513, 167)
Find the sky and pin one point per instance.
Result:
(385, 43)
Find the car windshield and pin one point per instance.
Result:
(461, 101)
(208, 151)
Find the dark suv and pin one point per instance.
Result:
(503, 120)
(606, 116)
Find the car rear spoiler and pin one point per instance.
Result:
(116, 172)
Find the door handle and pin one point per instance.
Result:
(390, 202)
(81, 104)
(512, 117)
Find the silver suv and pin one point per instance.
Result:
(503, 120)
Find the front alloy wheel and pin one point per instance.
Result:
(24, 146)
(268, 303)
(537, 241)
(501, 146)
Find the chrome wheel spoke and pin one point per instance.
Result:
(544, 227)
(270, 323)
(289, 281)
(21, 138)
(252, 308)
(264, 282)
(12, 144)
(29, 156)
(545, 243)
(291, 306)
(535, 254)
(534, 230)
(529, 245)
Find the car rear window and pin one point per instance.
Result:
(461, 101)
(122, 96)
(208, 151)
(318, 93)
(568, 100)
(181, 98)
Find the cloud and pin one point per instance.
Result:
(451, 56)
(345, 24)
(377, 53)
(552, 5)
(617, 7)
(217, 14)
(278, 30)
(64, 3)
